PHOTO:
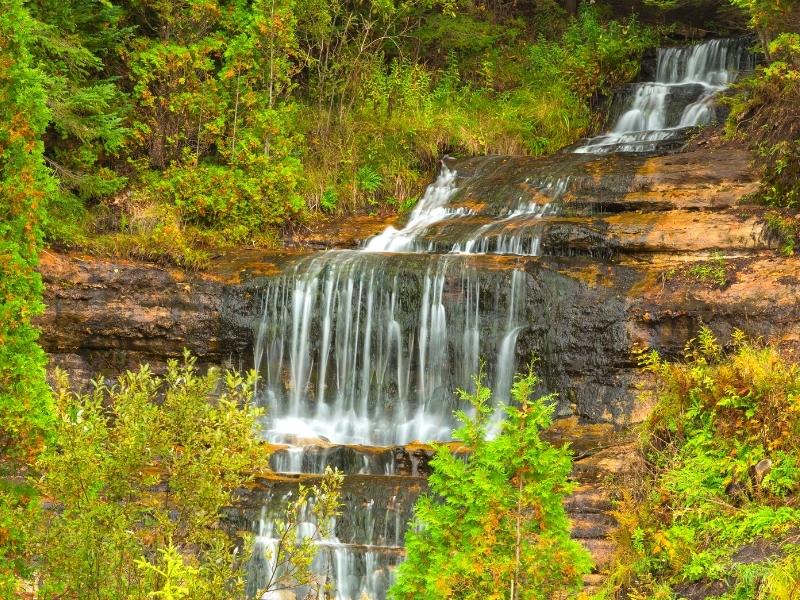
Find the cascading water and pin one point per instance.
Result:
(374, 349)
(356, 558)
(360, 351)
(513, 231)
(681, 97)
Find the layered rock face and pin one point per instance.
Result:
(613, 274)
(577, 259)
(105, 316)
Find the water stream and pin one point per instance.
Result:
(657, 114)
(360, 351)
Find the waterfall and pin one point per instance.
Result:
(357, 350)
(681, 97)
(361, 351)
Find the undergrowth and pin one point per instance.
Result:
(766, 113)
(718, 478)
(714, 272)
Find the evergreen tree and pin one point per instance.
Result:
(25, 185)
(494, 525)
(76, 45)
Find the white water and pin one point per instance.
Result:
(357, 347)
(365, 570)
(432, 208)
(373, 356)
(367, 347)
(687, 79)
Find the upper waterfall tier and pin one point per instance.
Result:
(656, 114)
(651, 116)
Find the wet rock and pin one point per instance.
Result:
(402, 461)
(709, 178)
(314, 458)
(737, 492)
(700, 590)
(375, 513)
(760, 470)
(759, 550)
(106, 316)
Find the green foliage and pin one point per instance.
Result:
(368, 179)
(785, 229)
(602, 56)
(779, 187)
(713, 272)
(248, 116)
(782, 580)
(328, 200)
(765, 112)
(494, 525)
(134, 479)
(238, 203)
(25, 184)
(768, 17)
(141, 473)
(720, 464)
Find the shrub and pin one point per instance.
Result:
(719, 468)
(713, 272)
(494, 524)
(137, 483)
(241, 203)
(785, 229)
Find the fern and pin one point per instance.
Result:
(368, 179)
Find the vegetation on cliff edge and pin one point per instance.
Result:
(712, 510)
(179, 127)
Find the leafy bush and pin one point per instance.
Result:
(240, 203)
(137, 483)
(133, 479)
(713, 272)
(785, 229)
(494, 524)
(719, 467)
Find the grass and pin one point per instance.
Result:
(713, 272)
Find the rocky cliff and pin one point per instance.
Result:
(650, 248)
